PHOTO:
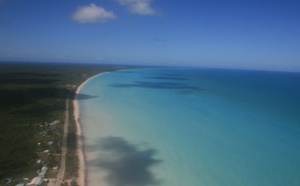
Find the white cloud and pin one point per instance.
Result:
(93, 14)
(141, 7)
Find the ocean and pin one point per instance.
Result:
(192, 127)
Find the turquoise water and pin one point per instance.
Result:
(192, 127)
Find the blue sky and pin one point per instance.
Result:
(254, 34)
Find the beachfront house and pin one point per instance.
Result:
(43, 171)
(37, 181)
(20, 184)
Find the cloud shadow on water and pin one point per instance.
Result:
(157, 85)
(84, 96)
(168, 78)
(125, 163)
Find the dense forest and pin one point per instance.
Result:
(33, 97)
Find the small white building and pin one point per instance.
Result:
(43, 172)
(35, 182)
(20, 184)
(54, 122)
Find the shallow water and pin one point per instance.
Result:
(192, 127)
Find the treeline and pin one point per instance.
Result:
(32, 94)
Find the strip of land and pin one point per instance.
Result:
(34, 98)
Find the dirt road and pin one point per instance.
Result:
(62, 167)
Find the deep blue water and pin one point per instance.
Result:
(207, 127)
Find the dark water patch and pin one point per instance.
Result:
(168, 78)
(85, 96)
(126, 72)
(157, 85)
(125, 163)
(171, 75)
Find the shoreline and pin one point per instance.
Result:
(82, 178)
(82, 169)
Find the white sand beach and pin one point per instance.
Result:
(82, 171)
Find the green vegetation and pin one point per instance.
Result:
(33, 98)
(72, 157)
